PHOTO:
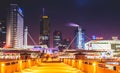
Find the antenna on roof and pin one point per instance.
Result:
(43, 11)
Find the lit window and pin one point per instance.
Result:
(14, 9)
(3, 27)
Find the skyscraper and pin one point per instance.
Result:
(57, 38)
(44, 38)
(67, 43)
(80, 38)
(15, 26)
(2, 32)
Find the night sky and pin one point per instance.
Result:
(97, 17)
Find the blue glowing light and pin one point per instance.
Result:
(94, 37)
(20, 11)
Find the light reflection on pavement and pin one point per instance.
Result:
(51, 68)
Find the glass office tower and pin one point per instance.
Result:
(44, 38)
(15, 26)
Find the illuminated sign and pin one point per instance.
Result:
(115, 38)
(96, 38)
(44, 37)
(57, 37)
(45, 17)
(99, 38)
(20, 11)
(99, 42)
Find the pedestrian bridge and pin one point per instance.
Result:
(51, 68)
(66, 66)
(36, 66)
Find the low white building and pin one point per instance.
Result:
(103, 45)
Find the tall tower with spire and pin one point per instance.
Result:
(44, 38)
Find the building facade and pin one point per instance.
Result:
(2, 32)
(104, 45)
(15, 26)
(57, 38)
(80, 38)
(44, 38)
(67, 43)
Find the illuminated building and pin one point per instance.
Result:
(2, 32)
(57, 38)
(103, 45)
(44, 38)
(111, 47)
(15, 21)
(66, 43)
(80, 38)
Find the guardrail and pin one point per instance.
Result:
(18, 65)
(92, 66)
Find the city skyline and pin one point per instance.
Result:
(100, 18)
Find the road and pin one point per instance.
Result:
(51, 68)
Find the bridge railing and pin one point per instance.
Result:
(92, 66)
(18, 65)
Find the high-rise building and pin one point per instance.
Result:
(2, 32)
(57, 38)
(44, 38)
(80, 38)
(15, 26)
(67, 43)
